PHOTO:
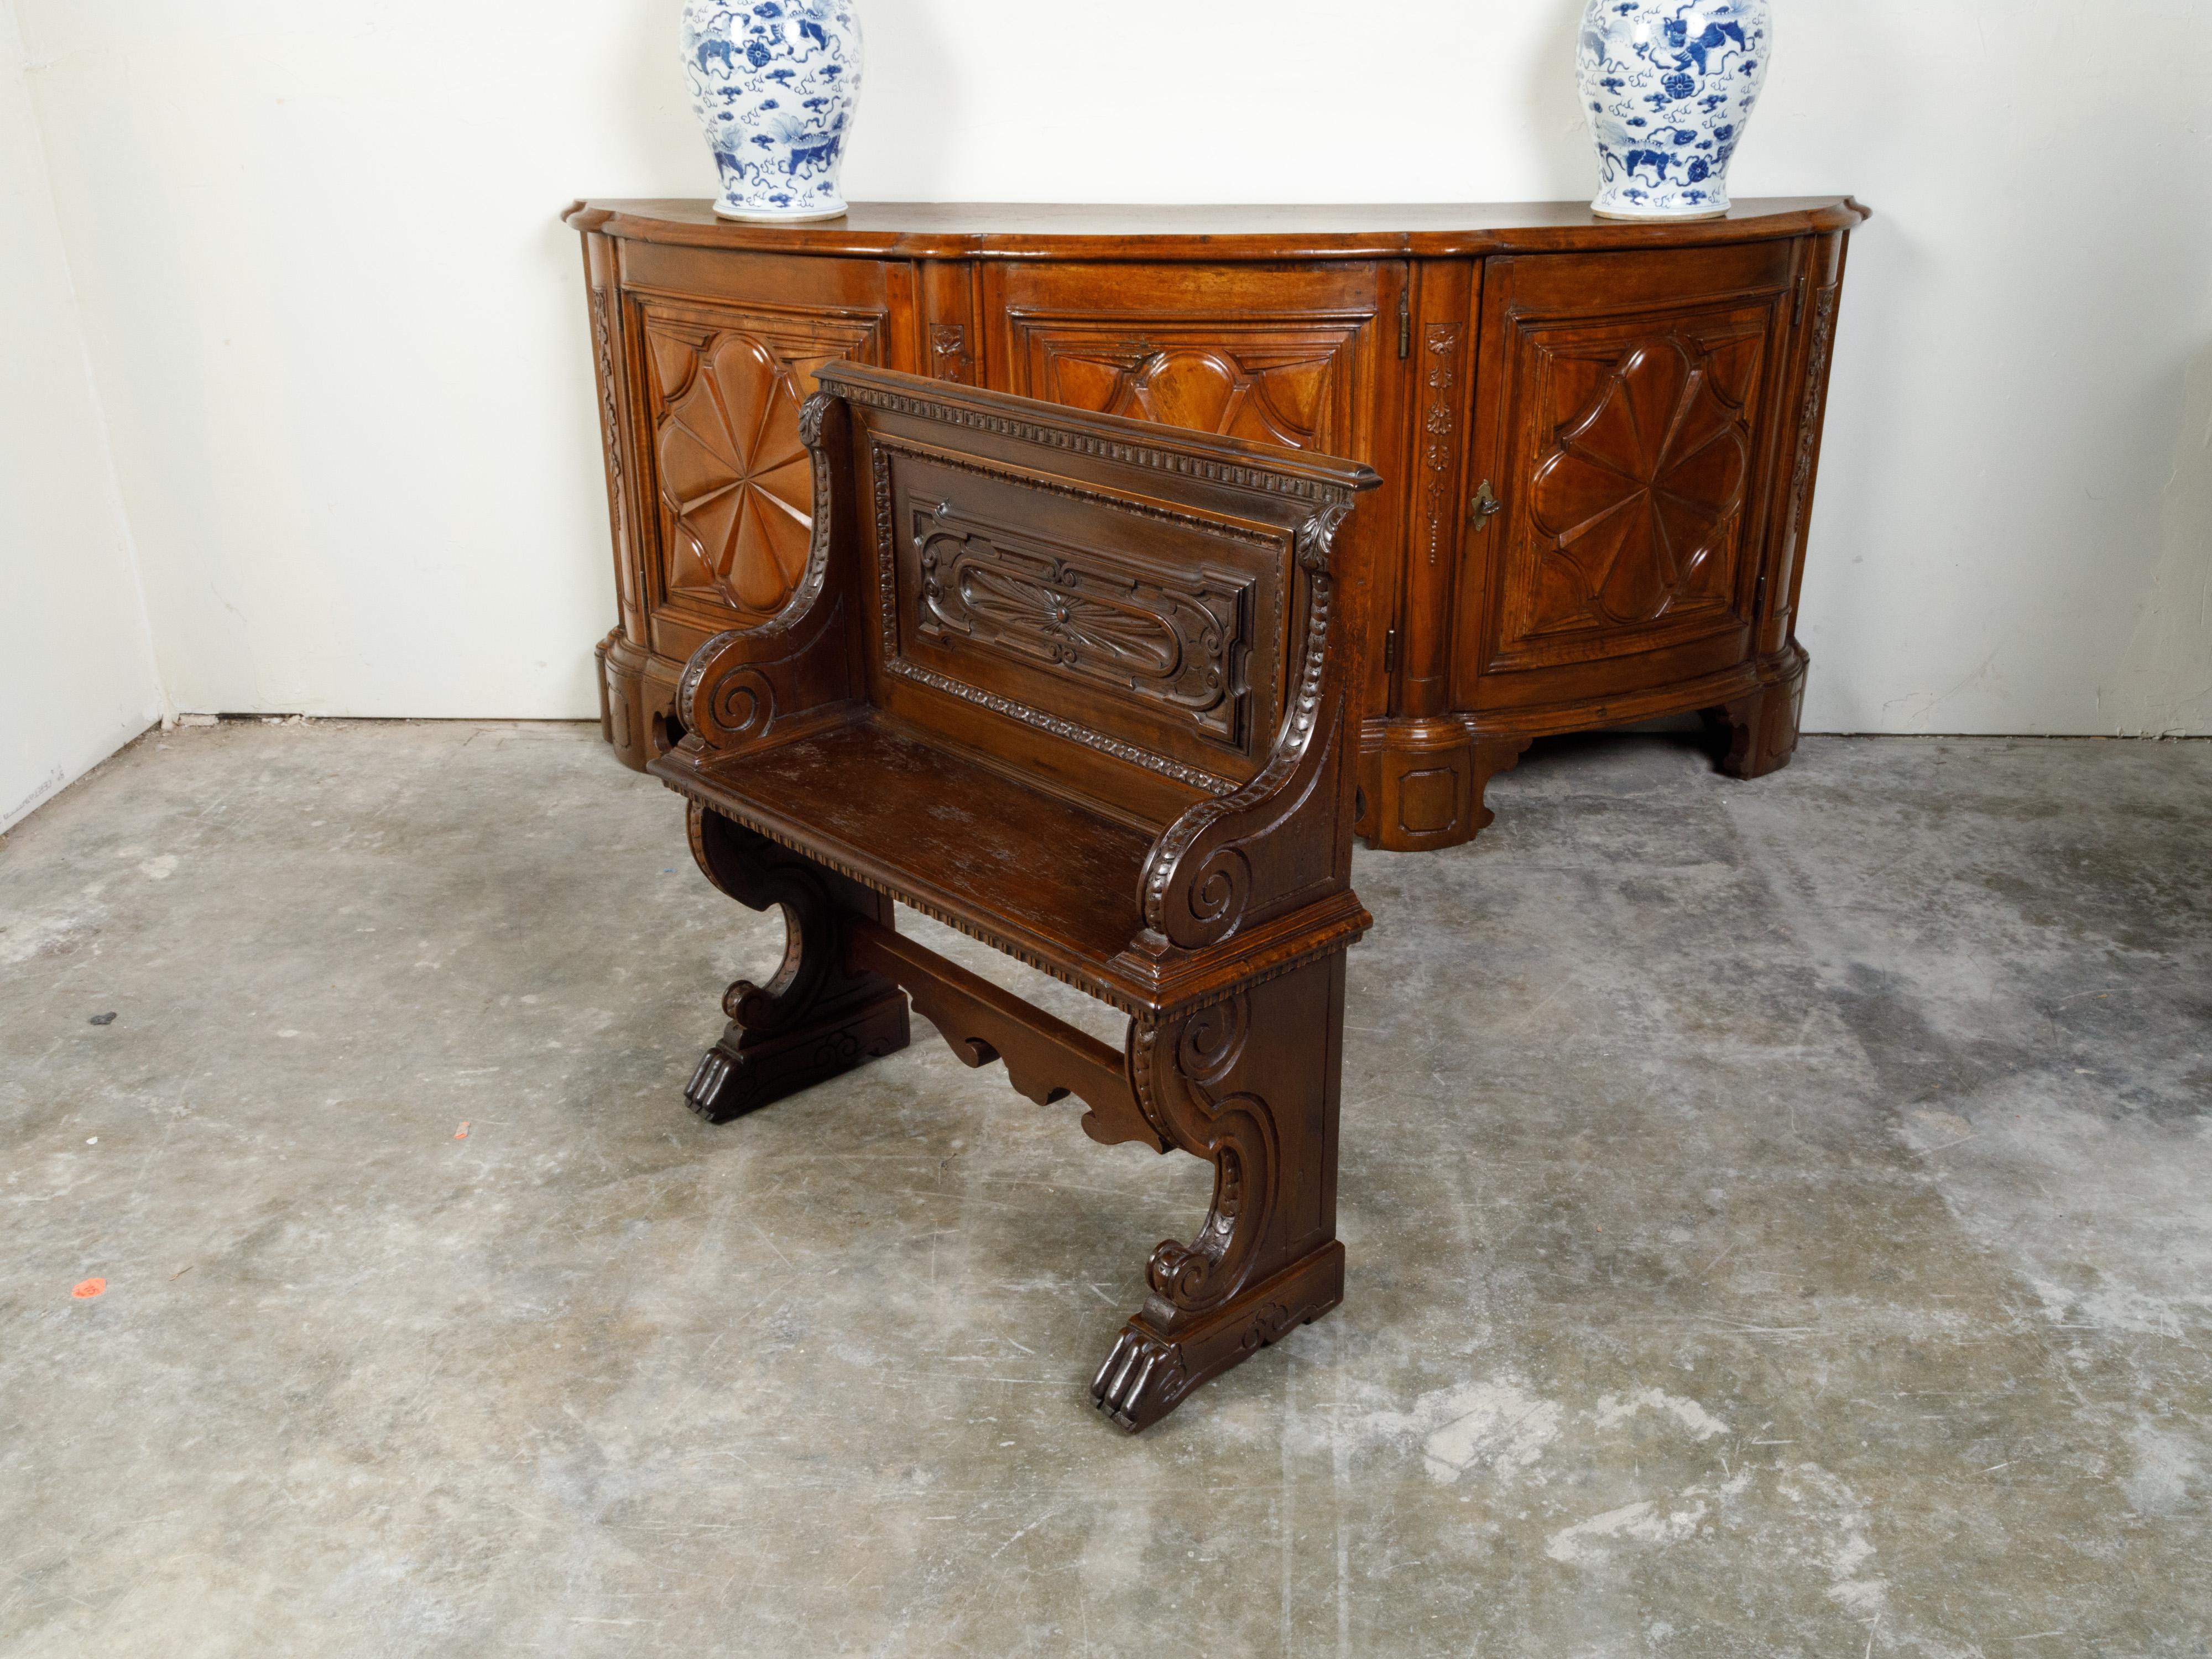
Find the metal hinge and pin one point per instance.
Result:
(1390, 652)
(1406, 323)
(1797, 309)
(1485, 507)
(1758, 599)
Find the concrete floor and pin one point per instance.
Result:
(1780, 1220)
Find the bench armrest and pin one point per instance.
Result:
(742, 685)
(1241, 858)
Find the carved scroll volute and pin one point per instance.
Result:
(1200, 884)
(724, 700)
(1185, 1071)
(726, 857)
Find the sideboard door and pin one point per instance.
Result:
(1627, 413)
(724, 351)
(1308, 356)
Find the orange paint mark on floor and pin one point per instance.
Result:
(90, 1288)
(461, 1134)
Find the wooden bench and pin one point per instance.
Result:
(1077, 686)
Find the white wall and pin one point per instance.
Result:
(341, 343)
(76, 669)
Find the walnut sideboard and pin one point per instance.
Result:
(1599, 440)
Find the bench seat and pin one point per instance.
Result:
(958, 840)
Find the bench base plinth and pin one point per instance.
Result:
(743, 1073)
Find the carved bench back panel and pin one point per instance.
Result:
(1129, 637)
(1137, 626)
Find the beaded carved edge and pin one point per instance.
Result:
(1257, 479)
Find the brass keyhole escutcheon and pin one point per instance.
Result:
(1486, 507)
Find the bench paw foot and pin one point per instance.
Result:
(1142, 1381)
(1147, 1375)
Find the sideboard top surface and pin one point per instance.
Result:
(1015, 230)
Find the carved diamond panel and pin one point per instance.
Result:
(1636, 505)
(736, 483)
(1276, 385)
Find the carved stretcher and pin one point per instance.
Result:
(1077, 686)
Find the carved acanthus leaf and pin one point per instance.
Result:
(1317, 539)
(949, 357)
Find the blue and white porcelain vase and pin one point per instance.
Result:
(1669, 86)
(774, 83)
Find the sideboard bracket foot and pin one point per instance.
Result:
(1760, 727)
(1428, 783)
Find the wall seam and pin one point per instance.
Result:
(164, 710)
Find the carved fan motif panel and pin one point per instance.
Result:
(1640, 457)
(1272, 384)
(736, 482)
